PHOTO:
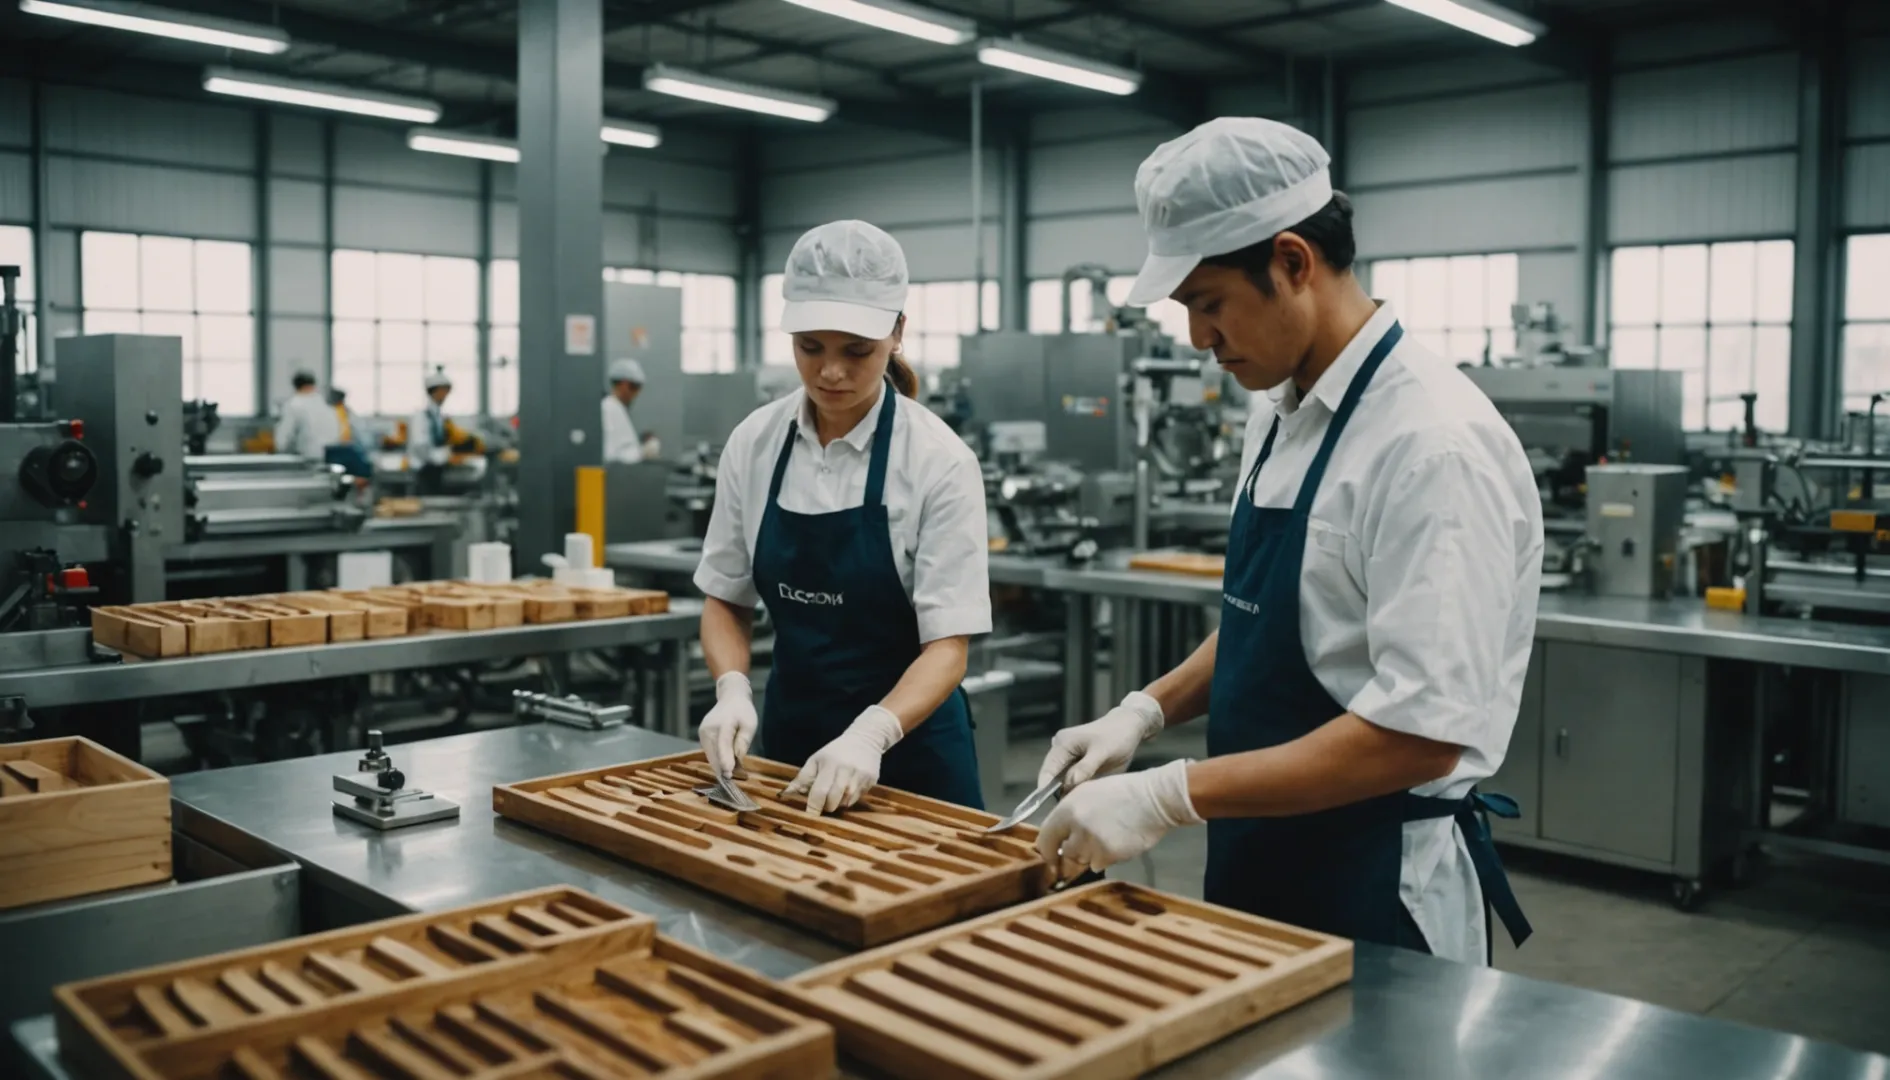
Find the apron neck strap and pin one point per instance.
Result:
(876, 467)
(1316, 472)
(1266, 451)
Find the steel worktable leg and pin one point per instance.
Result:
(1079, 658)
(677, 722)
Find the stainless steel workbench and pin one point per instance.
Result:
(1404, 1015)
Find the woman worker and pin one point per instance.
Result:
(858, 517)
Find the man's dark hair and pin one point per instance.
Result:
(1329, 232)
(303, 378)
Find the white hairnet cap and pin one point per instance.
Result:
(845, 275)
(1226, 185)
(626, 370)
(438, 378)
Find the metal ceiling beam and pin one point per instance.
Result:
(1282, 18)
(619, 15)
(1197, 36)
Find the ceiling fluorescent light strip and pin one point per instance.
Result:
(678, 82)
(316, 95)
(159, 22)
(1478, 17)
(483, 147)
(898, 17)
(1014, 55)
(631, 133)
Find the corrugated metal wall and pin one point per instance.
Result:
(184, 168)
(1867, 137)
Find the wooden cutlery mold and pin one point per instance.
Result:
(555, 983)
(1100, 982)
(75, 819)
(892, 866)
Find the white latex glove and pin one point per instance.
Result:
(842, 771)
(730, 725)
(1115, 818)
(1103, 746)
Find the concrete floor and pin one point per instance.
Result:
(1803, 947)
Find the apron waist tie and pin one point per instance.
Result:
(1471, 814)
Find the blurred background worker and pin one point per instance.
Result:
(621, 445)
(432, 439)
(858, 516)
(308, 426)
(348, 452)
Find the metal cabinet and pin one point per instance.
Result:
(1521, 775)
(1611, 720)
(1865, 750)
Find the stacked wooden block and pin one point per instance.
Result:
(76, 818)
(199, 627)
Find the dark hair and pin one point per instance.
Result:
(904, 379)
(1329, 231)
(303, 378)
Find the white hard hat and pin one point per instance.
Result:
(845, 275)
(438, 378)
(626, 370)
(1226, 185)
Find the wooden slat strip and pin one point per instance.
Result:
(537, 918)
(159, 1010)
(574, 915)
(292, 987)
(967, 1058)
(1014, 1005)
(38, 777)
(442, 1049)
(251, 1066)
(703, 1030)
(1174, 952)
(1112, 954)
(602, 1029)
(1111, 980)
(491, 1042)
(346, 972)
(641, 982)
(325, 1060)
(499, 932)
(11, 786)
(243, 986)
(734, 1004)
(206, 1005)
(459, 945)
(1038, 982)
(404, 957)
(392, 1052)
(1219, 938)
(954, 1017)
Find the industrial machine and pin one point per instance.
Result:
(1634, 516)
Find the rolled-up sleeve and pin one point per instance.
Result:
(1441, 583)
(727, 569)
(951, 582)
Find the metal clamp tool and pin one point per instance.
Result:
(570, 710)
(380, 798)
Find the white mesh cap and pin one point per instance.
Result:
(847, 276)
(625, 369)
(1227, 184)
(438, 378)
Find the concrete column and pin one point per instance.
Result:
(1816, 380)
(561, 260)
(1013, 281)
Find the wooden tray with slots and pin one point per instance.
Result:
(892, 866)
(552, 983)
(1102, 982)
(1179, 562)
(76, 819)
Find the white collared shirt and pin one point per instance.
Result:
(1419, 587)
(934, 500)
(308, 427)
(621, 445)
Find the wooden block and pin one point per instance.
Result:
(1073, 985)
(132, 631)
(77, 819)
(346, 622)
(287, 626)
(1193, 563)
(863, 877)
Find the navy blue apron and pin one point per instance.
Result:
(1336, 870)
(845, 632)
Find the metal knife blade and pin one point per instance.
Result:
(1032, 803)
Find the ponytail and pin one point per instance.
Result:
(904, 379)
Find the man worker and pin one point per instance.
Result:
(1379, 598)
(308, 426)
(348, 452)
(621, 445)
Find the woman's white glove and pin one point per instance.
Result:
(1103, 746)
(843, 770)
(730, 725)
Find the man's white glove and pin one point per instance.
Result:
(842, 771)
(1104, 746)
(1115, 818)
(730, 725)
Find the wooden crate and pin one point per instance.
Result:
(76, 818)
(1179, 562)
(1102, 982)
(552, 983)
(892, 866)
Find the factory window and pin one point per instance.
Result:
(1046, 316)
(1866, 319)
(1457, 306)
(16, 249)
(195, 290)
(502, 337)
(397, 317)
(1718, 313)
(708, 315)
(937, 314)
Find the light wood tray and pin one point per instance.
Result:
(76, 819)
(892, 866)
(552, 983)
(1103, 982)
(1180, 562)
